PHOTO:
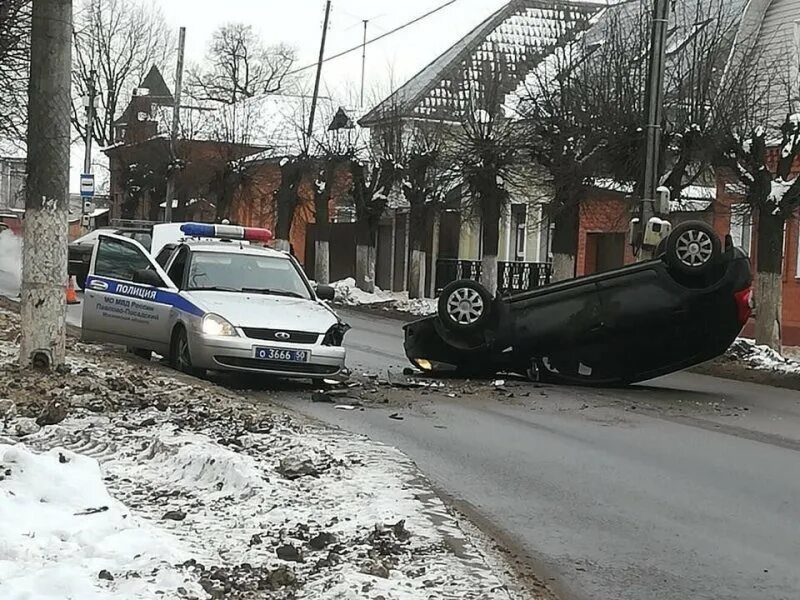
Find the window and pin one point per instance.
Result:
(119, 260)
(163, 257)
(255, 273)
(178, 269)
(520, 232)
(741, 226)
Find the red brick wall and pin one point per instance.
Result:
(601, 212)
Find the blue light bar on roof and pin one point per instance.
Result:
(227, 232)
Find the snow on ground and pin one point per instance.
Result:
(60, 528)
(761, 358)
(348, 294)
(179, 488)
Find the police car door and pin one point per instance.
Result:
(127, 296)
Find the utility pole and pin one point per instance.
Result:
(88, 204)
(655, 113)
(44, 253)
(172, 173)
(319, 72)
(363, 61)
(87, 157)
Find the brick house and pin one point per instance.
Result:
(139, 161)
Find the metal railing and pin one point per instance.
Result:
(512, 277)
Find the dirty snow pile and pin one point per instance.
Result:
(348, 294)
(62, 535)
(761, 358)
(120, 480)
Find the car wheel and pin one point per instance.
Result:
(180, 357)
(692, 248)
(464, 306)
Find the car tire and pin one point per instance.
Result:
(693, 248)
(180, 356)
(464, 306)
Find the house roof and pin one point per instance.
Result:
(159, 92)
(520, 34)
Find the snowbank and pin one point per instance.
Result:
(348, 294)
(60, 528)
(762, 358)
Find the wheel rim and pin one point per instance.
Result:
(184, 358)
(694, 248)
(465, 306)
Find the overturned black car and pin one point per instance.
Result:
(639, 322)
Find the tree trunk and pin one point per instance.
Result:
(365, 258)
(322, 265)
(44, 252)
(492, 212)
(565, 242)
(769, 280)
(417, 233)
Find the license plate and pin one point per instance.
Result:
(281, 354)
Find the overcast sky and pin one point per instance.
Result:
(299, 24)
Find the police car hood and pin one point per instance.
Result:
(260, 311)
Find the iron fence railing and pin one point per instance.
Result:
(512, 277)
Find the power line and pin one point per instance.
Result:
(378, 38)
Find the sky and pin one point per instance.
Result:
(298, 23)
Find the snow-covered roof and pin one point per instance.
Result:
(686, 20)
(694, 198)
(518, 36)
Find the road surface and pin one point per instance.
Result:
(685, 489)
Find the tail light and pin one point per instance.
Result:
(745, 303)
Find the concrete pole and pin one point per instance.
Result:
(363, 62)
(44, 253)
(176, 123)
(655, 113)
(315, 97)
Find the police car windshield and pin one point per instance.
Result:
(229, 272)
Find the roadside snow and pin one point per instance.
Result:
(761, 358)
(348, 294)
(181, 489)
(60, 528)
(10, 264)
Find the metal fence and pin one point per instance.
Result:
(512, 277)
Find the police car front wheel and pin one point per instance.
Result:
(181, 355)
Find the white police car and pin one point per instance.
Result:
(217, 304)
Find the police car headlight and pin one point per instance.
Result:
(216, 326)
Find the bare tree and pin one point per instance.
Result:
(374, 172)
(121, 40)
(486, 154)
(427, 178)
(15, 23)
(775, 195)
(238, 69)
(239, 66)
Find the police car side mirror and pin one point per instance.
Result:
(147, 277)
(326, 292)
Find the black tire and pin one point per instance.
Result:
(693, 248)
(180, 356)
(465, 306)
(661, 249)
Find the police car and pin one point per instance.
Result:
(216, 302)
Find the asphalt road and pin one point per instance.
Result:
(685, 489)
